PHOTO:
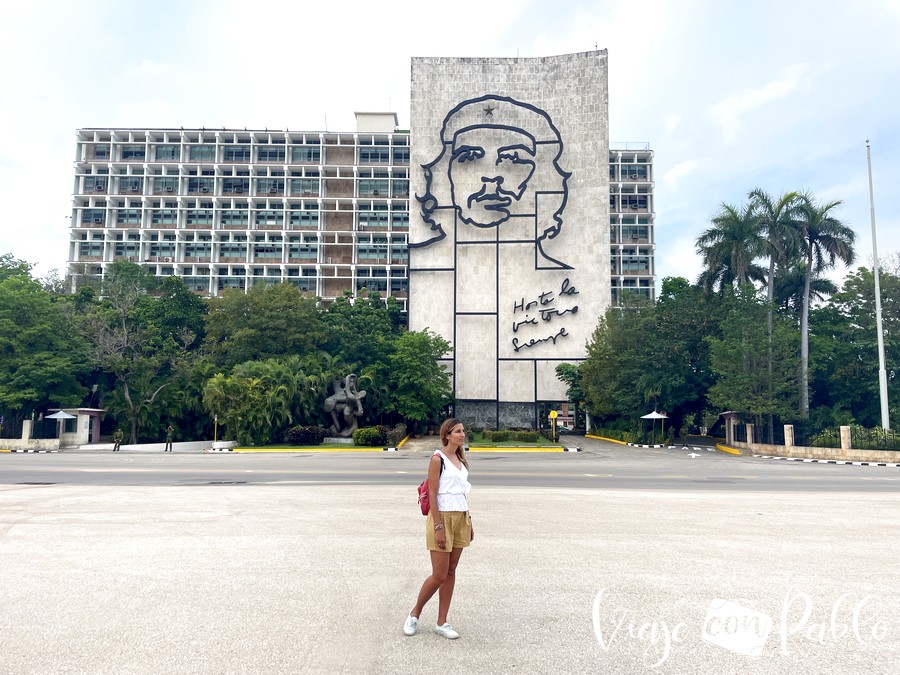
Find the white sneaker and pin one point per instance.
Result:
(446, 631)
(409, 628)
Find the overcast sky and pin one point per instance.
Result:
(731, 95)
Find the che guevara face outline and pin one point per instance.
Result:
(490, 167)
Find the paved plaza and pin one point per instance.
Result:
(318, 578)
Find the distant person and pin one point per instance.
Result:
(117, 440)
(170, 433)
(448, 528)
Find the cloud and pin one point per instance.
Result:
(679, 258)
(679, 171)
(727, 113)
(672, 123)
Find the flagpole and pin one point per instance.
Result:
(882, 372)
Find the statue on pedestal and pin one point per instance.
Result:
(344, 406)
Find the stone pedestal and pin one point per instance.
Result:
(788, 435)
(845, 438)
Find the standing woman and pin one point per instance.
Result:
(448, 529)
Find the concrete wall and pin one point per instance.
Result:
(821, 453)
(29, 444)
(509, 229)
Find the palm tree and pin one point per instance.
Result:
(825, 240)
(775, 218)
(791, 281)
(730, 247)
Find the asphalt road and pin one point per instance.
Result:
(600, 465)
(227, 563)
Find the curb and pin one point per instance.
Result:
(603, 438)
(809, 460)
(520, 449)
(32, 451)
(725, 448)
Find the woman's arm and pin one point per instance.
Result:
(434, 479)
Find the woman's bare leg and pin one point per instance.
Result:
(445, 595)
(440, 564)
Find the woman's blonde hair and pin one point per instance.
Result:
(446, 428)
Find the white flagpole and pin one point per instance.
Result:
(882, 373)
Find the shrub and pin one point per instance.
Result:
(527, 436)
(395, 435)
(500, 436)
(370, 437)
(306, 435)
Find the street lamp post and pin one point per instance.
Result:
(882, 372)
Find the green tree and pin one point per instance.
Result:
(267, 322)
(740, 359)
(844, 351)
(825, 240)
(730, 248)
(42, 359)
(133, 350)
(419, 384)
(684, 316)
(776, 220)
(614, 376)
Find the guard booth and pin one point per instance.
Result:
(81, 427)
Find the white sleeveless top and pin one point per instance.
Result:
(453, 486)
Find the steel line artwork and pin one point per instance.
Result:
(498, 157)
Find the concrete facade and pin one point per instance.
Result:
(509, 228)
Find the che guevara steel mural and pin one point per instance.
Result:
(499, 167)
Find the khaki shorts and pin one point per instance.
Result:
(458, 529)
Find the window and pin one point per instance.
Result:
(227, 250)
(237, 153)
(634, 172)
(308, 249)
(306, 154)
(94, 184)
(167, 153)
(304, 218)
(400, 188)
(269, 251)
(304, 186)
(236, 186)
(375, 249)
(201, 185)
(370, 187)
(202, 153)
(374, 155)
(128, 217)
(93, 216)
(131, 184)
(101, 152)
(134, 152)
(201, 250)
(164, 217)
(401, 155)
(164, 250)
(400, 220)
(236, 217)
(270, 217)
(90, 249)
(269, 186)
(373, 280)
(168, 184)
(271, 155)
(199, 217)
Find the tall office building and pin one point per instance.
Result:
(227, 208)
(325, 211)
(631, 213)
